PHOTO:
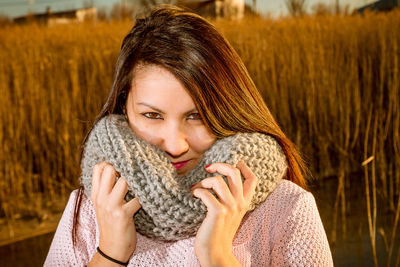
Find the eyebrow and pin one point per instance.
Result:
(150, 106)
(162, 112)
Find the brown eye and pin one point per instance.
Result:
(194, 116)
(152, 115)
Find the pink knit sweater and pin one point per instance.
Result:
(285, 230)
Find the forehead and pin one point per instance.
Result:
(157, 86)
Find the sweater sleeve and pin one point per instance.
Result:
(301, 240)
(61, 251)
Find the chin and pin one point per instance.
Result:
(186, 169)
(182, 173)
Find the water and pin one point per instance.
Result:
(355, 250)
(28, 252)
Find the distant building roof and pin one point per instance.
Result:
(65, 16)
(382, 5)
(216, 8)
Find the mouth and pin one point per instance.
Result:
(180, 164)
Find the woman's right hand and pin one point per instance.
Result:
(114, 215)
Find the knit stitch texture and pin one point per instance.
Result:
(169, 211)
(284, 230)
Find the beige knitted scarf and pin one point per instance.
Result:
(169, 211)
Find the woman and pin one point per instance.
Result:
(182, 99)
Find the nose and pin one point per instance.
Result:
(175, 142)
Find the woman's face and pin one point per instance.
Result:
(162, 112)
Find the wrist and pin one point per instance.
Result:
(112, 259)
(100, 261)
(114, 251)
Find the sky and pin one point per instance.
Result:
(15, 8)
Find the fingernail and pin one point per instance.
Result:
(208, 166)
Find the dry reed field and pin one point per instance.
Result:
(333, 84)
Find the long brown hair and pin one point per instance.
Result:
(212, 72)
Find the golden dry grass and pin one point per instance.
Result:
(332, 83)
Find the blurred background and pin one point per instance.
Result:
(328, 70)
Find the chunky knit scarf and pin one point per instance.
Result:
(169, 211)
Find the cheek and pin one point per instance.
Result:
(144, 130)
(201, 139)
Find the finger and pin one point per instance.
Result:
(119, 191)
(107, 182)
(208, 199)
(132, 206)
(218, 185)
(233, 175)
(250, 181)
(96, 179)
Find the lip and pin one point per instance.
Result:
(180, 164)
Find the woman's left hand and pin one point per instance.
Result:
(213, 243)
